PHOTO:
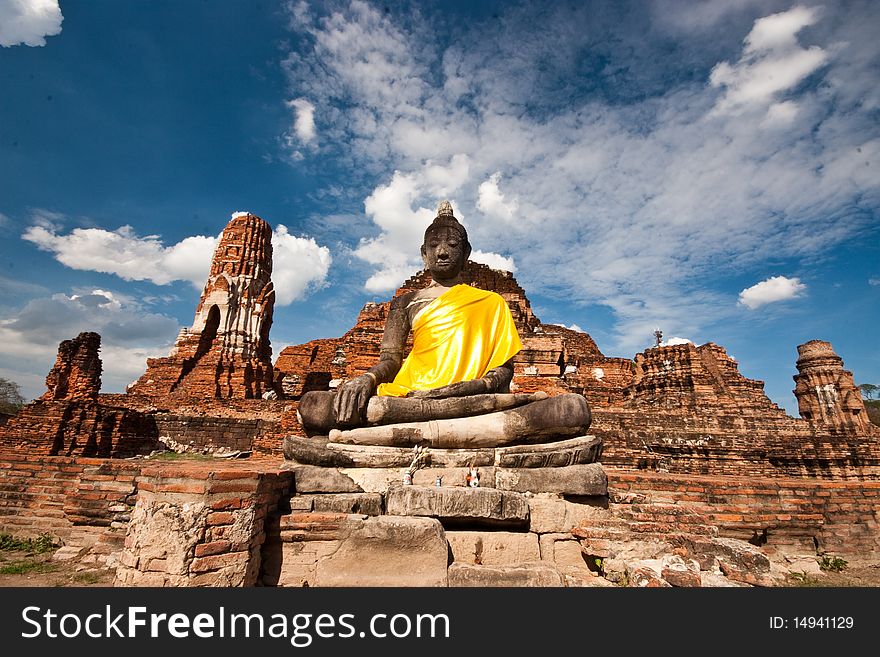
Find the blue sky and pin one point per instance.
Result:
(709, 168)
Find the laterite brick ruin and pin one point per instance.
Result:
(690, 475)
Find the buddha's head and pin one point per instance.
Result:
(446, 248)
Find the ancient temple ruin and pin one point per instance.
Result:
(226, 352)
(826, 393)
(689, 476)
(77, 370)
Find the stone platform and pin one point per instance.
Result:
(265, 523)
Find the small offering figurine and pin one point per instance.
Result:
(473, 477)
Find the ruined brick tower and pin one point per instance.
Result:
(226, 353)
(825, 392)
(76, 374)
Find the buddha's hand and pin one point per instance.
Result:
(352, 398)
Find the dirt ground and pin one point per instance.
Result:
(43, 570)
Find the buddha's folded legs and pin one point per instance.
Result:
(317, 416)
(540, 421)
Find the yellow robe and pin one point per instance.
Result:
(459, 336)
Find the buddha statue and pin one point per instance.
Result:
(453, 389)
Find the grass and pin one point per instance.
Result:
(42, 543)
(830, 563)
(27, 566)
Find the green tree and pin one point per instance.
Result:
(10, 396)
(869, 390)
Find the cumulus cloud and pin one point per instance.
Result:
(29, 22)
(671, 342)
(493, 260)
(771, 290)
(123, 253)
(874, 281)
(491, 201)
(399, 210)
(772, 62)
(642, 202)
(299, 265)
(130, 333)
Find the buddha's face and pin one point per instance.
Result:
(445, 253)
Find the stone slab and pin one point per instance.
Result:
(549, 513)
(588, 479)
(299, 562)
(318, 451)
(388, 551)
(315, 479)
(526, 575)
(374, 480)
(563, 551)
(574, 451)
(368, 504)
(478, 505)
(493, 548)
(312, 526)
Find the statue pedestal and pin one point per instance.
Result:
(353, 522)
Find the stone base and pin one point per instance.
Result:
(235, 524)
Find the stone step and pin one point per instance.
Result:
(538, 574)
(493, 548)
(454, 504)
(597, 528)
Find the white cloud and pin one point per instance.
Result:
(494, 260)
(781, 113)
(778, 31)
(572, 327)
(396, 250)
(642, 206)
(29, 22)
(125, 254)
(491, 201)
(388, 278)
(671, 342)
(304, 119)
(298, 265)
(874, 281)
(772, 62)
(775, 288)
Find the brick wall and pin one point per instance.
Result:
(210, 433)
(75, 499)
(733, 443)
(837, 517)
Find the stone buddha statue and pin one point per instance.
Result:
(453, 389)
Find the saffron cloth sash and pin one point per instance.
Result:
(459, 336)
